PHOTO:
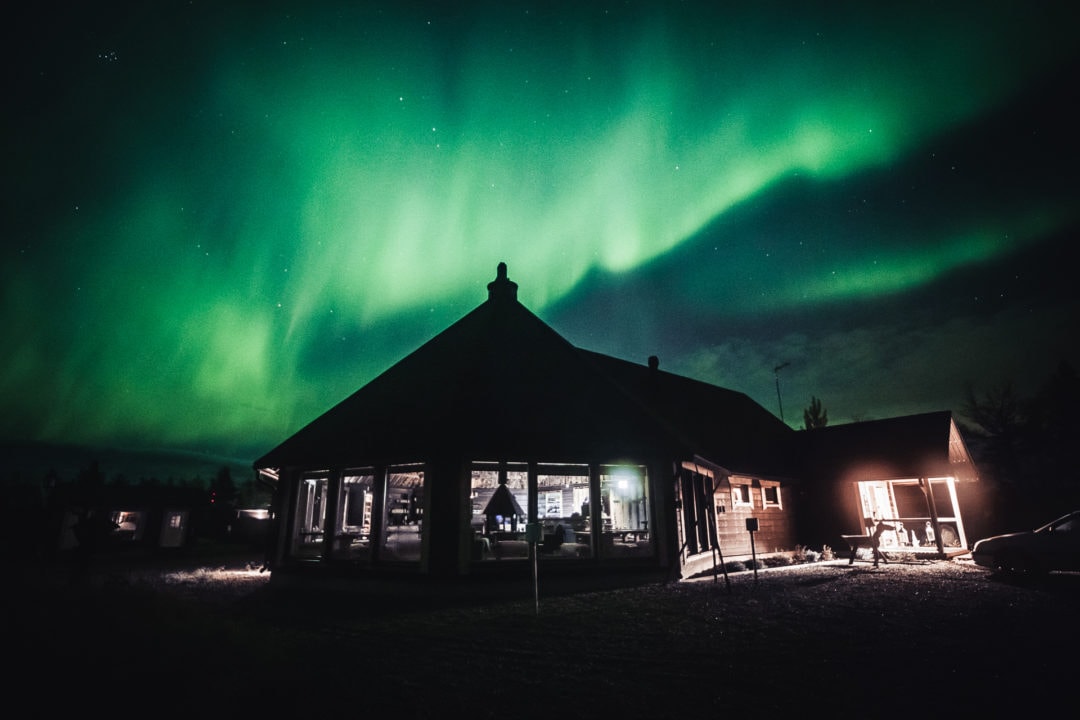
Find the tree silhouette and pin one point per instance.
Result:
(1053, 424)
(1023, 444)
(1000, 428)
(222, 488)
(815, 416)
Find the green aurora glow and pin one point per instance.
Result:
(304, 177)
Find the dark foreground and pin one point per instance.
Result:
(907, 640)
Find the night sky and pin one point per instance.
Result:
(220, 218)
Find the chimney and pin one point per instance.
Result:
(501, 287)
(652, 380)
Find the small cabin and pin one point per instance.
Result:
(912, 473)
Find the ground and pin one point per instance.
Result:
(935, 638)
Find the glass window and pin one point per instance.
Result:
(500, 505)
(356, 496)
(173, 528)
(562, 493)
(403, 528)
(698, 519)
(572, 522)
(624, 511)
(770, 495)
(740, 495)
(127, 525)
(309, 527)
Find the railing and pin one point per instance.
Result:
(918, 532)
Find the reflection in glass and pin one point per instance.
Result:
(563, 509)
(404, 517)
(355, 501)
(310, 516)
(500, 501)
(624, 511)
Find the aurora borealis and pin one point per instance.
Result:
(223, 218)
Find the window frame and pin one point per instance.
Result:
(766, 486)
(741, 493)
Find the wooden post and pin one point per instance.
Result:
(714, 539)
(929, 490)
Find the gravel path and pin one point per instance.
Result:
(904, 640)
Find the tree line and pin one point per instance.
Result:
(1021, 443)
(32, 511)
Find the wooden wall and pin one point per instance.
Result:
(775, 533)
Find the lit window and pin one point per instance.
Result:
(624, 512)
(310, 515)
(564, 511)
(740, 495)
(356, 497)
(403, 523)
(500, 502)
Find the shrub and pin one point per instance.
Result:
(778, 561)
(804, 554)
(733, 566)
(827, 553)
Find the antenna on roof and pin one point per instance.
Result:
(776, 372)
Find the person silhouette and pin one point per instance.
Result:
(875, 541)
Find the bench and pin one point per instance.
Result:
(854, 542)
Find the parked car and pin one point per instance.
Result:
(1054, 546)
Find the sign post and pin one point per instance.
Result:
(751, 527)
(533, 535)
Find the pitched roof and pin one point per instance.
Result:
(724, 426)
(501, 384)
(912, 446)
(498, 383)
